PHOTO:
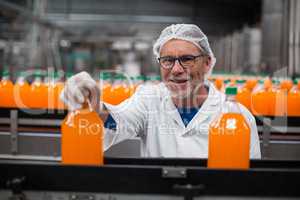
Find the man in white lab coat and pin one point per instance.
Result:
(172, 118)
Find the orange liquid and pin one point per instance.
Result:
(39, 95)
(82, 138)
(259, 105)
(59, 86)
(119, 93)
(259, 99)
(244, 97)
(22, 94)
(51, 87)
(229, 142)
(106, 92)
(54, 90)
(293, 107)
(219, 83)
(6, 94)
(250, 84)
(286, 85)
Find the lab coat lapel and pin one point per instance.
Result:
(209, 108)
(169, 108)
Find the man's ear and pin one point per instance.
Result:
(207, 63)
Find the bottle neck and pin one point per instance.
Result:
(5, 78)
(38, 79)
(21, 79)
(231, 98)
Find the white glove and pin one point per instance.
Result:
(79, 89)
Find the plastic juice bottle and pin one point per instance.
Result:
(293, 108)
(226, 83)
(244, 94)
(112, 99)
(286, 84)
(56, 87)
(22, 91)
(251, 83)
(119, 90)
(278, 102)
(59, 87)
(131, 86)
(6, 91)
(50, 84)
(126, 89)
(219, 83)
(82, 138)
(38, 94)
(233, 81)
(229, 137)
(105, 87)
(261, 95)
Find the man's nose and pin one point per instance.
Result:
(177, 68)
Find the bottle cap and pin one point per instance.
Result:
(295, 81)
(240, 81)
(231, 91)
(5, 73)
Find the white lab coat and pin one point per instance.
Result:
(151, 114)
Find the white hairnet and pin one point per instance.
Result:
(187, 32)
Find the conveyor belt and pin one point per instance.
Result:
(176, 177)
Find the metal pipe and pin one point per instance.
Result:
(28, 15)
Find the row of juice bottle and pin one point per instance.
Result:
(44, 94)
(117, 88)
(283, 96)
(266, 97)
(37, 95)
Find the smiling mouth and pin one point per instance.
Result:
(179, 81)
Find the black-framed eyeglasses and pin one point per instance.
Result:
(185, 61)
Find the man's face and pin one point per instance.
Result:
(183, 81)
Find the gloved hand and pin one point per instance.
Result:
(79, 89)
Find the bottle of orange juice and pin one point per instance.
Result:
(120, 91)
(50, 84)
(39, 96)
(105, 87)
(6, 91)
(229, 136)
(125, 94)
(250, 83)
(218, 83)
(244, 94)
(22, 91)
(261, 94)
(293, 107)
(59, 86)
(54, 87)
(226, 83)
(279, 96)
(82, 138)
